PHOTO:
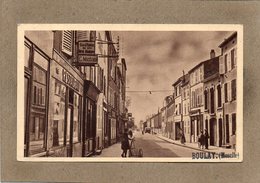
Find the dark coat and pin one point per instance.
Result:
(124, 142)
(202, 139)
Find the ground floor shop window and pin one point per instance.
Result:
(76, 119)
(26, 84)
(59, 114)
(37, 132)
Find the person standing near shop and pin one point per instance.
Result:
(206, 136)
(201, 140)
(182, 137)
(131, 139)
(124, 143)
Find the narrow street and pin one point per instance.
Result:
(152, 146)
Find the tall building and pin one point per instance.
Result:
(228, 72)
(212, 101)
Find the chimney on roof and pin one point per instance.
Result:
(212, 53)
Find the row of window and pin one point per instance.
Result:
(230, 91)
(196, 76)
(209, 98)
(196, 97)
(228, 61)
(229, 95)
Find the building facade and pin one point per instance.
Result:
(228, 72)
(178, 122)
(185, 92)
(196, 101)
(67, 96)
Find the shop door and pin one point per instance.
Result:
(220, 132)
(69, 131)
(193, 130)
(177, 131)
(212, 131)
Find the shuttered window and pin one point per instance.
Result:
(67, 42)
(229, 61)
(233, 88)
(235, 56)
(229, 91)
(226, 63)
(221, 65)
(82, 35)
(232, 58)
(226, 92)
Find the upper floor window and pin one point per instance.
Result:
(226, 63)
(226, 92)
(219, 95)
(26, 56)
(206, 99)
(233, 89)
(67, 42)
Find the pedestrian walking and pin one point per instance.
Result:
(182, 137)
(201, 140)
(206, 136)
(124, 143)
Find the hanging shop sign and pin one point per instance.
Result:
(85, 60)
(86, 54)
(86, 47)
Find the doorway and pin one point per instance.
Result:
(213, 131)
(220, 124)
(69, 131)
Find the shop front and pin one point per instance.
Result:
(90, 138)
(113, 128)
(36, 74)
(65, 114)
(196, 119)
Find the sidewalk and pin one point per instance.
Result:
(111, 151)
(195, 146)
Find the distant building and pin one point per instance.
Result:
(178, 123)
(185, 89)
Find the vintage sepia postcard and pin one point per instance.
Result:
(130, 92)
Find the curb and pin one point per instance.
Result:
(182, 145)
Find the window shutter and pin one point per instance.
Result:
(67, 41)
(229, 91)
(226, 92)
(229, 61)
(82, 35)
(221, 65)
(233, 88)
(235, 56)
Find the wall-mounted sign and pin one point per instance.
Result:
(70, 80)
(86, 48)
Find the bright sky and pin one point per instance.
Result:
(156, 59)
